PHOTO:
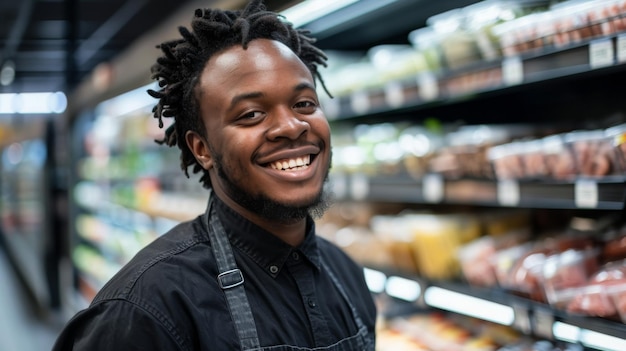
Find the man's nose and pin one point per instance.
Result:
(287, 124)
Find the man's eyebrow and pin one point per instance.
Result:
(304, 86)
(245, 96)
(257, 94)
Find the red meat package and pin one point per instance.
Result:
(605, 295)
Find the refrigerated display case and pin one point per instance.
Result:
(26, 215)
(126, 188)
(425, 143)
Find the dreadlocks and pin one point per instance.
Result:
(212, 31)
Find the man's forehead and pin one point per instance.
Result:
(260, 52)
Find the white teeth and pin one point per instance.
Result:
(292, 164)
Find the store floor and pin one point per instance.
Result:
(22, 328)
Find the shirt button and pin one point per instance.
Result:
(273, 269)
(312, 303)
(295, 256)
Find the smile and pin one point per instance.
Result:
(292, 164)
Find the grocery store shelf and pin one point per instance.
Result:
(364, 23)
(582, 193)
(432, 90)
(498, 306)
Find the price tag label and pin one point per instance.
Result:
(522, 319)
(586, 193)
(543, 321)
(601, 53)
(360, 102)
(508, 193)
(433, 187)
(512, 71)
(428, 86)
(394, 94)
(359, 186)
(621, 48)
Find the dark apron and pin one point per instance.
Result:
(231, 281)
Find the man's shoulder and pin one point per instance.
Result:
(166, 263)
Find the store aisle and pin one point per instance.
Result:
(21, 329)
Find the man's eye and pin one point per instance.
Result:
(250, 115)
(305, 105)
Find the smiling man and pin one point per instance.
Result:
(249, 274)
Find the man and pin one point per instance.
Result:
(249, 274)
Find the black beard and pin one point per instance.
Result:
(274, 210)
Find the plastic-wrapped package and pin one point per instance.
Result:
(465, 153)
(617, 136)
(436, 239)
(503, 262)
(593, 152)
(458, 46)
(565, 270)
(395, 62)
(419, 146)
(603, 294)
(426, 41)
(558, 157)
(482, 259)
(526, 274)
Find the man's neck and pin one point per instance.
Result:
(291, 232)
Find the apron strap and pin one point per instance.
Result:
(230, 279)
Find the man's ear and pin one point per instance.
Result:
(200, 149)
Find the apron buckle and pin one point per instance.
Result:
(230, 279)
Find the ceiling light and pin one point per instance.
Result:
(33, 103)
(309, 10)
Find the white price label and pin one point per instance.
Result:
(508, 193)
(359, 186)
(360, 102)
(433, 187)
(394, 94)
(543, 321)
(586, 193)
(512, 71)
(522, 319)
(601, 53)
(621, 48)
(428, 86)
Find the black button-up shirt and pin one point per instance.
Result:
(167, 297)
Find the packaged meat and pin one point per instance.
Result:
(611, 272)
(506, 160)
(567, 269)
(611, 280)
(617, 135)
(558, 158)
(475, 259)
(617, 294)
(593, 152)
(478, 257)
(526, 274)
(589, 300)
(503, 262)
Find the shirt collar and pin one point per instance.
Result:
(264, 248)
